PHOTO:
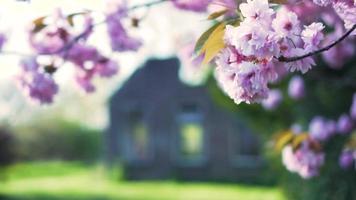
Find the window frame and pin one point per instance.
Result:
(128, 143)
(190, 117)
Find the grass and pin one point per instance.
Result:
(67, 181)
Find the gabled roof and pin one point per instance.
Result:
(155, 78)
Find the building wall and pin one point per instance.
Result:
(156, 91)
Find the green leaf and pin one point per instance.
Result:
(297, 141)
(204, 37)
(214, 43)
(217, 14)
(70, 18)
(283, 139)
(278, 1)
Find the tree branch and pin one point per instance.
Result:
(292, 59)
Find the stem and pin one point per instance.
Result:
(292, 59)
(147, 5)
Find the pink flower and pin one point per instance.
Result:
(42, 88)
(286, 23)
(29, 64)
(302, 65)
(323, 2)
(105, 67)
(346, 9)
(344, 124)
(81, 54)
(242, 81)
(353, 108)
(192, 5)
(251, 39)
(257, 11)
(38, 85)
(296, 88)
(346, 159)
(321, 129)
(84, 80)
(289, 160)
(53, 37)
(119, 38)
(273, 100)
(339, 54)
(191, 66)
(312, 35)
(304, 161)
(2, 40)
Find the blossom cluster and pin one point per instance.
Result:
(59, 40)
(308, 12)
(247, 65)
(36, 82)
(120, 40)
(309, 157)
(346, 9)
(306, 161)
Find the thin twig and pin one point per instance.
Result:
(147, 5)
(292, 59)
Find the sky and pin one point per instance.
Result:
(162, 31)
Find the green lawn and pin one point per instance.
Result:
(67, 181)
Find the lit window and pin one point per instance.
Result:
(139, 138)
(191, 134)
(191, 138)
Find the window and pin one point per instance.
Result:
(244, 149)
(138, 145)
(191, 138)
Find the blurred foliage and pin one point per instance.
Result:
(57, 140)
(6, 147)
(328, 94)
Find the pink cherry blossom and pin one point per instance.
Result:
(196, 5)
(321, 129)
(346, 159)
(273, 100)
(353, 107)
(296, 88)
(251, 39)
(105, 67)
(344, 124)
(304, 161)
(312, 35)
(302, 65)
(3, 39)
(243, 81)
(38, 85)
(120, 40)
(286, 23)
(257, 10)
(346, 9)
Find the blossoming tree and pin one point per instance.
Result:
(249, 46)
